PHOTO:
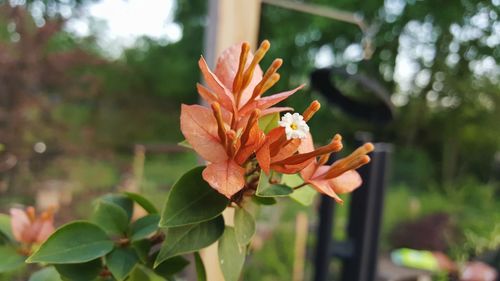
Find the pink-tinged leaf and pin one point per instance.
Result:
(266, 102)
(226, 177)
(199, 127)
(224, 95)
(272, 110)
(347, 182)
(20, 223)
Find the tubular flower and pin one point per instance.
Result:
(227, 134)
(238, 82)
(338, 178)
(28, 228)
(279, 150)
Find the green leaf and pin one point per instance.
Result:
(142, 248)
(231, 255)
(46, 274)
(304, 195)
(269, 122)
(121, 261)
(171, 266)
(244, 226)
(142, 273)
(267, 189)
(10, 260)
(264, 200)
(74, 242)
(192, 200)
(143, 202)
(5, 227)
(190, 238)
(144, 227)
(200, 268)
(110, 217)
(185, 144)
(121, 200)
(80, 271)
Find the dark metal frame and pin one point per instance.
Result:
(359, 252)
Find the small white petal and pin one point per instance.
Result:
(295, 126)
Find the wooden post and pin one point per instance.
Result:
(230, 22)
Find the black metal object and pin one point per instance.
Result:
(365, 215)
(359, 252)
(324, 242)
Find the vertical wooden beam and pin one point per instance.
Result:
(229, 22)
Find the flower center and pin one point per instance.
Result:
(294, 126)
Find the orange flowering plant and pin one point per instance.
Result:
(254, 151)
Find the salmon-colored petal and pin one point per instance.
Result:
(45, 230)
(199, 127)
(206, 94)
(323, 186)
(226, 177)
(291, 169)
(287, 150)
(306, 145)
(19, 223)
(255, 140)
(266, 102)
(224, 94)
(227, 66)
(264, 158)
(347, 182)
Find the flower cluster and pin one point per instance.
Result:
(227, 134)
(28, 228)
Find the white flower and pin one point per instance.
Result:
(295, 126)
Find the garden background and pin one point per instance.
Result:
(82, 113)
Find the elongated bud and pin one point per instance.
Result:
(30, 212)
(231, 142)
(254, 117)
(270, 71)
(355, 160)
(259, 54)
(300, 158)
(221, 130)
(311, 110)
(270, 82)
(324, 158)
(245, 48)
